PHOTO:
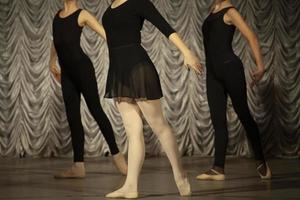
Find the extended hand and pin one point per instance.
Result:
(192, 62)
(257, 76)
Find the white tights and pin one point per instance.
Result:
(132, 120)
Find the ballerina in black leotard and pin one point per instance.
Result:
(78, 77)
(134, 83)
(225, 76)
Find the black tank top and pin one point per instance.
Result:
(217, 37)
(66, 38)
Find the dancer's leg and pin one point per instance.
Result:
(133, 124)
(237, 90)
(238, 93)
(153, 114)
(71, 97)
(217, 102)
(89, 90)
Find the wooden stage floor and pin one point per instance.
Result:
(31, 179)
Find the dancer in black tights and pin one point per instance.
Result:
(78, 77)
(225, 76)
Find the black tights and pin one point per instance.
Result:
(231, 80)
(72, 89)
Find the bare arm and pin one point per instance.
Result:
(53, 55)
(52, 63)
(190, 60)
(85, 18)
(234, 17)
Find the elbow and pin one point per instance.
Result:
(171, 35)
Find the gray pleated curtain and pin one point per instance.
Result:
(32, 116)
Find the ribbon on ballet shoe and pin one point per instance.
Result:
(267, 175)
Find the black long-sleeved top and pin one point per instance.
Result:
(124, 23)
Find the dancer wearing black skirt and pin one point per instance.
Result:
(225, 76)
(78, 77)
(134, 83)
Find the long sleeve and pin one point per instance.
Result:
(146, 9)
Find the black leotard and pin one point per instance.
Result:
(132, 74)
(225, 75)
(78, 77)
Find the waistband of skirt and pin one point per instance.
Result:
(125, 46)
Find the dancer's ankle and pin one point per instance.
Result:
(180, 176)
(130, 187)
(261, 166)
(260, 162)
(219, 169)
(78, 164)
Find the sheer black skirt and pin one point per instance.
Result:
(132, 75)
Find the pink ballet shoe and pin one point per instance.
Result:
(212, 175)
(267, 174)
(76, 171)
(184, 186)
(122, 194)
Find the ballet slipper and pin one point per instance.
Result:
(76, 171)
(120, 163)
(267, 174)
(184, 186)
(121, 193)
(212, 175)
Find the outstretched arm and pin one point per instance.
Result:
(190, 60)
(146, 9)
(234, 17)
(85, 18)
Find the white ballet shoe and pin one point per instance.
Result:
(120, 163)
(184, 187)
(268, 174)
(213, 177)
(122, 194)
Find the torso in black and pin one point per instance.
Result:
(217, 37)
(66, 38)
(131, 74)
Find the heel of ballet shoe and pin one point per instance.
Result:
(268, 174)
(120, 163)
(132, 195)
(184, 187)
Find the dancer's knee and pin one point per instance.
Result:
(160, 127)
